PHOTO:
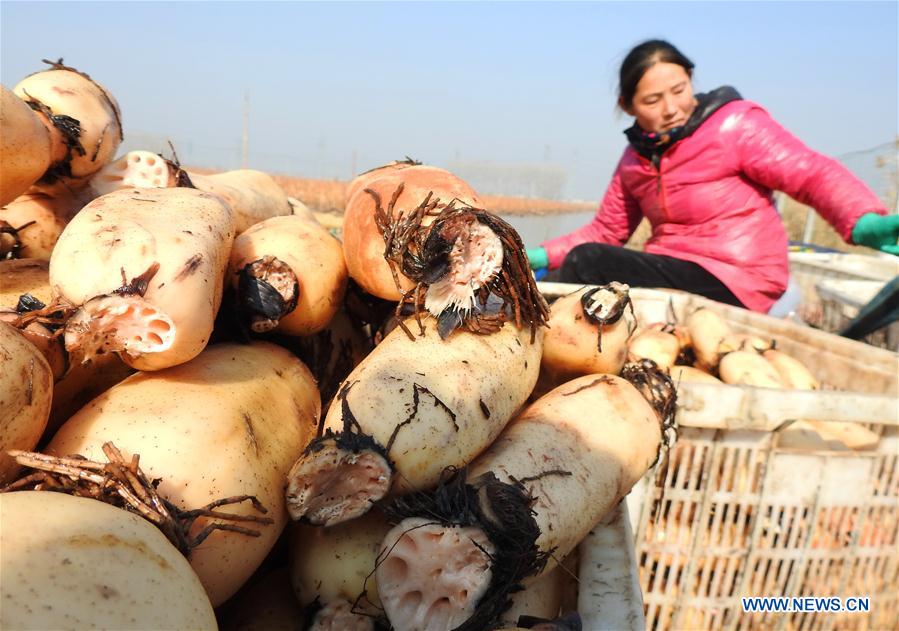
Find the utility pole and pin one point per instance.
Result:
(245, 144)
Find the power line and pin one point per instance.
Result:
(858, 152)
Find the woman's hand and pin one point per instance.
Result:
(880, 232)
(537, 258)
(539, 261)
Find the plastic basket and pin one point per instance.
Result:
(841, 301)
(808, 269)
(738, 515)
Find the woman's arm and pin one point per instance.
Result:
(614, 223)
(770, 155)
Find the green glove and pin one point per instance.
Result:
(537, 258)
(877, 231)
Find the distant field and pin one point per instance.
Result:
(328, 196)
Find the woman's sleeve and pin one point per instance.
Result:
(770, 155)
(615, 221)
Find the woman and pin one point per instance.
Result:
(702, 169)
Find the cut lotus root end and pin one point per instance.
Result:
(461, 258)
(331, 484)
(604, 305)
(338, 615)
(268, 290)
(118, 323)
(431, 576)
(135, 169)
(476, 257)
(500, 513)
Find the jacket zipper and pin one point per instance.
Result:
(660, 191)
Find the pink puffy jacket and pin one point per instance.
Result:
(710, 201)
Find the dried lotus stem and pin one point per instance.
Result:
(29, 309)
(124, 485)
(657, 388)
(11, 245)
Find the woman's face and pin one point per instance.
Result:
(663, 99)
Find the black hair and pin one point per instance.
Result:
(641, 58)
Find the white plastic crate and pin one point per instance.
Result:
(808, 269)
(841, 301)
(880, 267)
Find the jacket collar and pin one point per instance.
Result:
(652, 146)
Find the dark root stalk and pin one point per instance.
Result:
(27, 303)
(138, 285)
(366, 312)
(14, 250)
(267, 291)
(503, 511)
(658, 388)
(421, 253)
(571, 621)
(351, 438)
(54, 316)
(686, 357)
(124, 485)
(182, 179)
(70, 131)
(329, 360)
(604, 306)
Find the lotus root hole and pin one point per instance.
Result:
(333, 485)
(158, 325)
(396, 567)
(439, 608)
(410, 601)
(408, 544)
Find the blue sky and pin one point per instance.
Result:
(508, 84)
